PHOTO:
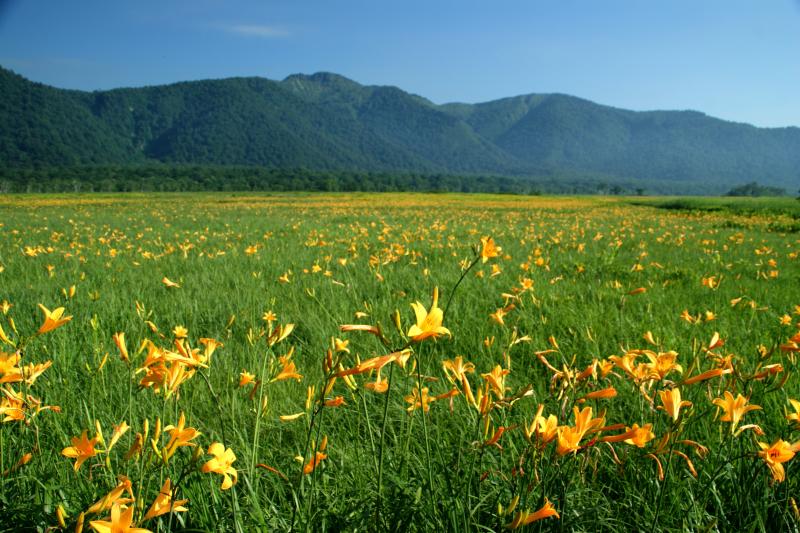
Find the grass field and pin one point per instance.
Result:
(279, 330)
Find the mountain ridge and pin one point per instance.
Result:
(326, 121)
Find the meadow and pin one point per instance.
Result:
(402, 362)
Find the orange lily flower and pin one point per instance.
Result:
(221, 464)
(523, 518)
(794, 417)
(777, 454)
(735, 408)
(489, 249)
(52, 319)
(319, 456)
(671, 403)
(82, 449)
(163, 503)
(429, 323)
(119, 340)
(289, 371)
(121, 519)
(114, 497)
(180, 436)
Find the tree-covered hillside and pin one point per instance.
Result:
(326, 122)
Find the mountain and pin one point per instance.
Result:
(327, 122)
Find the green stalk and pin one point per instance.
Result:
(424, 423)
(381, 447)
(259, 413)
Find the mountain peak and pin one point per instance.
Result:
(321, 78)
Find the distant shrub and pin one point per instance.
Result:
(755, 189)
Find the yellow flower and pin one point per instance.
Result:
(687, 317)
(246, 378)
(379, 385)
(429, 323)
(602, 394)
(163, 503)
(708, 374)
(119, 431)
(497, 380)
(523, 518)
(671, 403)
(340, 345)
(9, 371)
(794, 417)
(121, 519)
(221, 464)
(52, 319)
(415, 402)
(545, 429)
(82, 448)
(780, 452)
(456, 372)
(663, 363)
(279, 334)
(4, 338)
(569, 438)
(489, 249)
(170, 284)
(288, 369)
(735, 408)
(114, 497)
(639, 436)
(180, 436)
(319, 456)
(119, 340)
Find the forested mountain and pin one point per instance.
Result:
(327, 122)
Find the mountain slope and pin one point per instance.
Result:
(327, 122)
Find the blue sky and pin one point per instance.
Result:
(734, 59)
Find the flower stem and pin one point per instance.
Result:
(381, 447)
(424, 424)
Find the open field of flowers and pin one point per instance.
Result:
(396, 362)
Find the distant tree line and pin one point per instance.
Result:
(186, 178)
(179, 178)
(756, 189)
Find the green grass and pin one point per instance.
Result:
(735, 205)
(584, 256)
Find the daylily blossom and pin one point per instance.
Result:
(735, 408)
(221, 464)
(163, 503)
(288, 369)
(523, 518)
(120, 522)
(246, 378)
(52, 319)
(489, 249)
(319, 456)
(777, 454)
(119, 340)
(180, 436)
(114, 497)
(569, 438)
(82, 449)
(429, 323)
(794, 417)
(671, 403)
(170, 284)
